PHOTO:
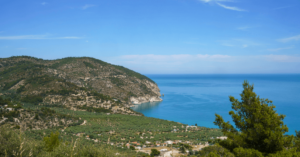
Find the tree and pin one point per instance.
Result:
(258, 126)
(52, 141)
(154, 152)
(132, 148)
(183, 147)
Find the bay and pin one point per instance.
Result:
(194, 99)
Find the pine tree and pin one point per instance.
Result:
(258, 126)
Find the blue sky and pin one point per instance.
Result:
(158, 36)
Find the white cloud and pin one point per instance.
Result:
(20, 37)
(293, 38)
(222, 5)
(279, 49)
(88, 6)
(44, 3)
(230, 8)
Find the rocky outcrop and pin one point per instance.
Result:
(144, 99)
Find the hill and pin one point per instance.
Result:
(76, 83)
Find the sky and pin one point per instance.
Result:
(158, 36)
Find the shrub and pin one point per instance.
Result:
(52, 141)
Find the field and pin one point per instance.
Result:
(118, 128)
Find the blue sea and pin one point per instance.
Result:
(195, 99)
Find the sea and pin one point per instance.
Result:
(195, 99)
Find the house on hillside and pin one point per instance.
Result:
(134, 143)
(169, 142)
(178, 141)
(163, 150)
(9, 109)
(138, 148)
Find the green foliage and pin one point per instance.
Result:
(10, 115)
(286, 153)
(145, 88)
(259, 127)
(99, 96)
(132, 148)
(154, 152)
(87, 64)
(21, 68)
(126, 126)
(215, 150)
(63, 92)
(34, 99)
(40, 80)
(5, 101)
(14, 143)
(52, 141)
(20, 89)
(183, 147)
(116, 81)
(10, 84)
(92, 109)
(61, 62)
(243, 152)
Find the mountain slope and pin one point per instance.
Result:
(76, 83)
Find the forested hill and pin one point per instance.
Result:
(75, 82)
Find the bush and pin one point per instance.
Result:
(154, 152)
(52, 141)
(14, 143)
(34, 99)
(215, 151)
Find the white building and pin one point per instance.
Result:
(138, 148)
(9, 109)
(147, 142)
(169, 142)
(222, 138)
